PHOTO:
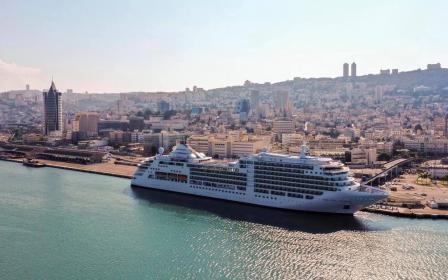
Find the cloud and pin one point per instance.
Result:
(14, 76)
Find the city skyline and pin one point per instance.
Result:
(159, 46)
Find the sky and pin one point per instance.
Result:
(168, 45)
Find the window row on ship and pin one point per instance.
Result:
(296, 185)
(218, 180)
(169, 177)
(329, 168)
(295, 195)
(218, 190)
(300, 176)
(211, 167)
(282, 165)
(298, 166)
(231, 176)
(216, 170)
(299, 171)
(311, 184)
(216, 185)
(286, 189)
(171, 163)
(300, 180)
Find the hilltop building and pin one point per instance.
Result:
(345, 70)
(435, 66)
(353, 69)
(385, 72)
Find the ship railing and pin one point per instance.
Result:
(369, 189)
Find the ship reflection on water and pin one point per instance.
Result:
(285, 219)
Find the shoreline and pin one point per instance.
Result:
(85, 169)
(409, 215)
(74, 168)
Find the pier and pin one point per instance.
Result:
(391, 170)
(108, 168)
(424, 213)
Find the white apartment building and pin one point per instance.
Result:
(438, 171)
(426, 145)
(160, 124)
(200, 143)
(137, 137)
(220, 148)
(326, 144)
(243, 148)
(361, 156)
(283, 126)
(292, 139)
(384, 148)
(229, 145)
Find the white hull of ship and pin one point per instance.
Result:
(340, 202)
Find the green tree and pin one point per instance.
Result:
(424, 178)
(168, 114)
(384, 157)
(444, 180)
(153, 150)
(334, 133)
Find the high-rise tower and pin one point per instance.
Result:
(353, 70)
(254, 102)
(345, 70)
(53, 123)
(445, 132)
(282, 104)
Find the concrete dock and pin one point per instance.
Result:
(426, 213)
(106, 168)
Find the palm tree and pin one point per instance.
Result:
(424, 176)
(444, 180)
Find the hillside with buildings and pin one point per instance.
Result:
(362, 120)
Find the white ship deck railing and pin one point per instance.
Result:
(370, 189)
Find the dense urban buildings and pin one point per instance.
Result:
(361, 121)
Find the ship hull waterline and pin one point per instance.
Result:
(328, 205)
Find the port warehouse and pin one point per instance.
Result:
(56, 154)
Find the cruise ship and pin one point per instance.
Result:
(295, 182)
